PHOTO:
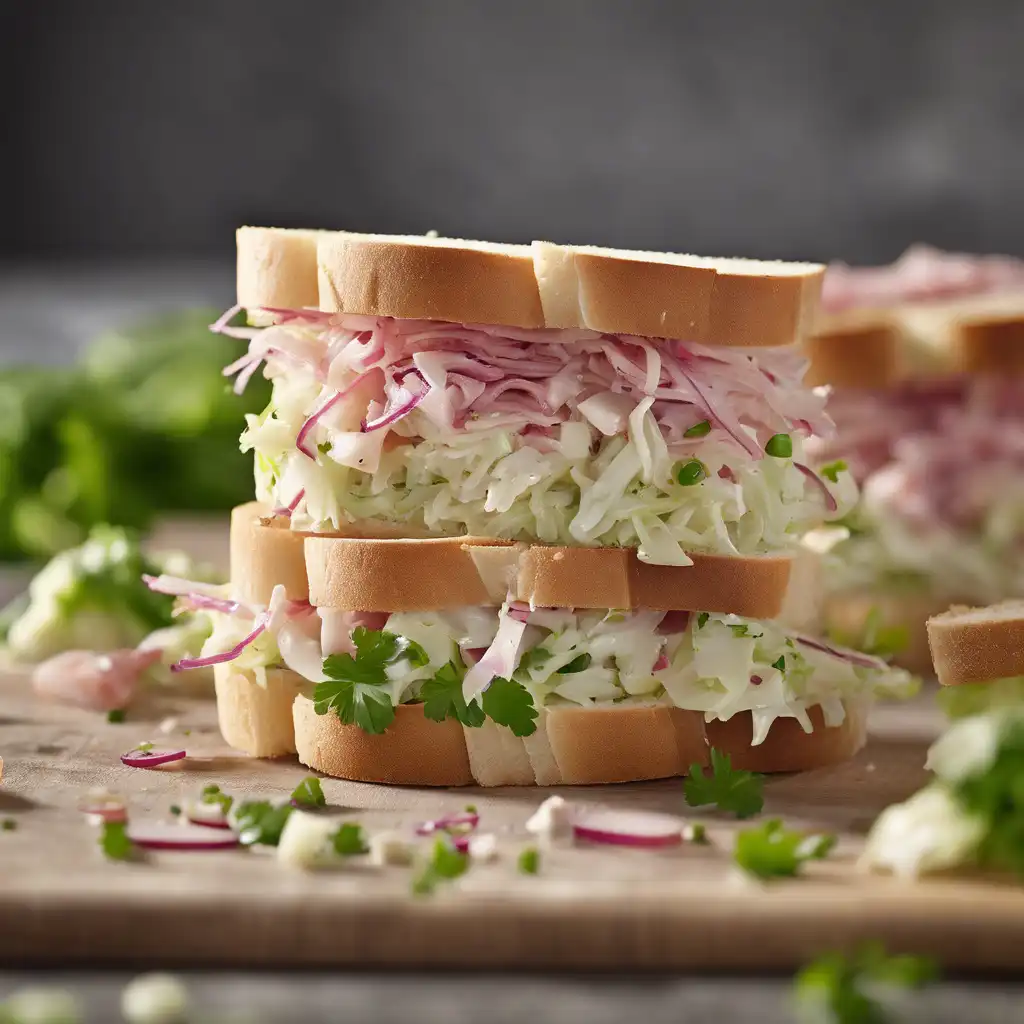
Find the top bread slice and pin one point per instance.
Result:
(744, 303)
(880, 348)
(978, 645)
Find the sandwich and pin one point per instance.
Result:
(454, 661)
(550, 501)
(928, 400)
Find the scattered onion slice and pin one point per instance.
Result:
(158, 835)
(206, 815)
(100, 810)
(142, 759)
(464, 822)
(627, 828)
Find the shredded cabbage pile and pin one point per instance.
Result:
(570, 437)
(721, 665)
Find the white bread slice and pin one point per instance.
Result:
(497, 757)
(661, 295)
(880, 348)
(1, 768)
(846, 614)
(276, 268)
(357, 574)
(265, 553)
(414, 751)
(416, 277)
(737, 302)
(254, 718)
(978, 645)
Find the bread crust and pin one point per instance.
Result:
(427, 278)
(276, 268)
(357, 574)
(253, 718)
(742, 303)
(978, 645)
(414, 751)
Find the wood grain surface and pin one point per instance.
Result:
(61, 902)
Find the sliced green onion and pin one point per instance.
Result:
(691, 473)
(701, 429)
(780, 446)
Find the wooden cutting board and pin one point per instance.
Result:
(590, 907)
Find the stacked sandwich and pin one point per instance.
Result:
(925, 360)
(527, 515)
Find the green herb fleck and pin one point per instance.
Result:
(837, 989)
(696, 833)
(534, 658)
(309, 793)
(260, 823)
(357, 687)
(509, 703)
(578, 664)
(117, 716)
(691, 473)
(212, 795)
(442, 698)
(445, 863)
(779, 446)
(529, 861)
(8, 825)
(701, 429)
(780, 663)
(175, 810)
(739, 792)
(349, 840)
(702, 620)
(771, 851)
(470, 808)
(833, 469)
(145, 747)
(114, 841)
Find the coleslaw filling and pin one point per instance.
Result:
(720, 665)
(558, 436)
(942, 469)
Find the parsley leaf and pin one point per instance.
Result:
(445, 863)
(509, 703)
(355, 690)
(780, 663)
(309, 793)
(349, 840)
(114, 841)
(578, 664)
(771, 851)
(832, 988)
(529, 861)
(833, 469)
(260, 823)
(442, 698)
(736, 791)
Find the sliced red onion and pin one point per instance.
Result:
(661, 664)
(400, 404)
(471, 655)
(500, 660)
(220, 326)
(152, 758)
(716, 414)
(842, 653)
(207, 815)
(519, 610)
(674, 622)
(287, 511)
(110, 812)
(219, 659)
(461, 822)
(307, 427)
(830, 502)
(627, 828)
(175, 586)
(158, 835)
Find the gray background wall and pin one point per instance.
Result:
(831, 128)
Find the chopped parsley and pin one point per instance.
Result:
(309, 793)
(771, 851)
(780, 663)
(117, 716)
(445, 863)
(509, 703)
(779, 446)
(739, 792)
(357, 688)
(260, 823)
(838, 989)
(8, 825)
(702, 620)
(442, 698)
(145, 747)
(212, 795)
(114, 841)
(350, 840)
(742, 629)
(529, 861)
(696, 833)
(578, 664)
(833, 469)
(175, 810)
(701, 429)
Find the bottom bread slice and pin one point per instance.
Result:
(572, 746)
(256, 717)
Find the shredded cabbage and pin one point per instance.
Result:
(568, 437)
